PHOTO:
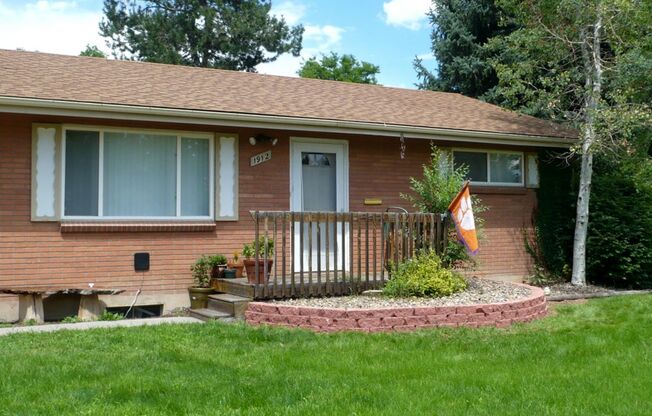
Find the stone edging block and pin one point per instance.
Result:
(400, 319)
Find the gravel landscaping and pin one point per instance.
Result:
(480, 291)
(569, 289)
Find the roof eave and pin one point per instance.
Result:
(201, 117)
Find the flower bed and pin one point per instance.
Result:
(324, 319)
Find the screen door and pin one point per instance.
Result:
(319, 184)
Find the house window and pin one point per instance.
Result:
(491, 168)
(129, 174)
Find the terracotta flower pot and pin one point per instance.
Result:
(239, 268)
(251, 265)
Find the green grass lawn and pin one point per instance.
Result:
(590, 359)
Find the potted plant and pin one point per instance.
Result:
(250, 264)
(217, 265)
(201, 288)
(236, 264)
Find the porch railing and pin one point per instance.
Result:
(337, 253)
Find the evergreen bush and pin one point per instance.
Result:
(619, 243)
(424, 275)
(554, 220)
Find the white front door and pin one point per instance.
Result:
(319, 182)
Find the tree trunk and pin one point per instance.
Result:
(593, 70)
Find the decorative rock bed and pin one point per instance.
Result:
(406, 318)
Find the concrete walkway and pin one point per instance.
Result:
(100, 324)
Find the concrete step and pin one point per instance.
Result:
(232, 304)
(239, 287)
(209, 314)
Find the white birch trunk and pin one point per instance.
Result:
(593, 69)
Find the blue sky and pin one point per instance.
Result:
(388, 33)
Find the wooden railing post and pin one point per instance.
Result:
(318, 224)
(265, 256)
(351, 248)
(399, 235)
(256, 244)
(293, 262)
(283, 242)
(382, 249)
(301, 224)
(328, 252)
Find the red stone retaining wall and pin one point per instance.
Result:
(398, 319)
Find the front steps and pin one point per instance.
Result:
(206, 314)
(232, 304)
(222, 306)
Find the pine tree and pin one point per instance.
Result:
(227, 34)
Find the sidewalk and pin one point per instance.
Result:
(99, 324)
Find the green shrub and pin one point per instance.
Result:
(110, 316)
(551, 246)
(440, 184)
(201, 269)
(424, 275)
(249, 250)
(73, 319)
(201, 272)
(216, 260)
(619, 243)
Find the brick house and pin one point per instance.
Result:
(94, 152)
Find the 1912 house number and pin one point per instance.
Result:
(260, 158)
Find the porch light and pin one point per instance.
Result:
(261, 138)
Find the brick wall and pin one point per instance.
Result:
(39, 254)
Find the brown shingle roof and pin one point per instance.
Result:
(95, 80)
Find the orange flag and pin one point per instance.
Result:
(462, 214)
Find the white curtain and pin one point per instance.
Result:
(140, 173)
(195, 181)
(82, 170)
(505, 167)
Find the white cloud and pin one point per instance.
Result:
(49, 26)
(428, 56)
(292, 11)
(406, 13)
(317, 40)
(45, 5)
(322, 38)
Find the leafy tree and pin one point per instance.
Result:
(578, 60)
(228, 34)
(93, 51)
(339, 68)
(460, 30)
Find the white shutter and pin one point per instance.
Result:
(46, 172)
(226, 193)
(532, 168)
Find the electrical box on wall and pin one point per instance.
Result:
(141, 262)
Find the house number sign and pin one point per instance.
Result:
(260, 158)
